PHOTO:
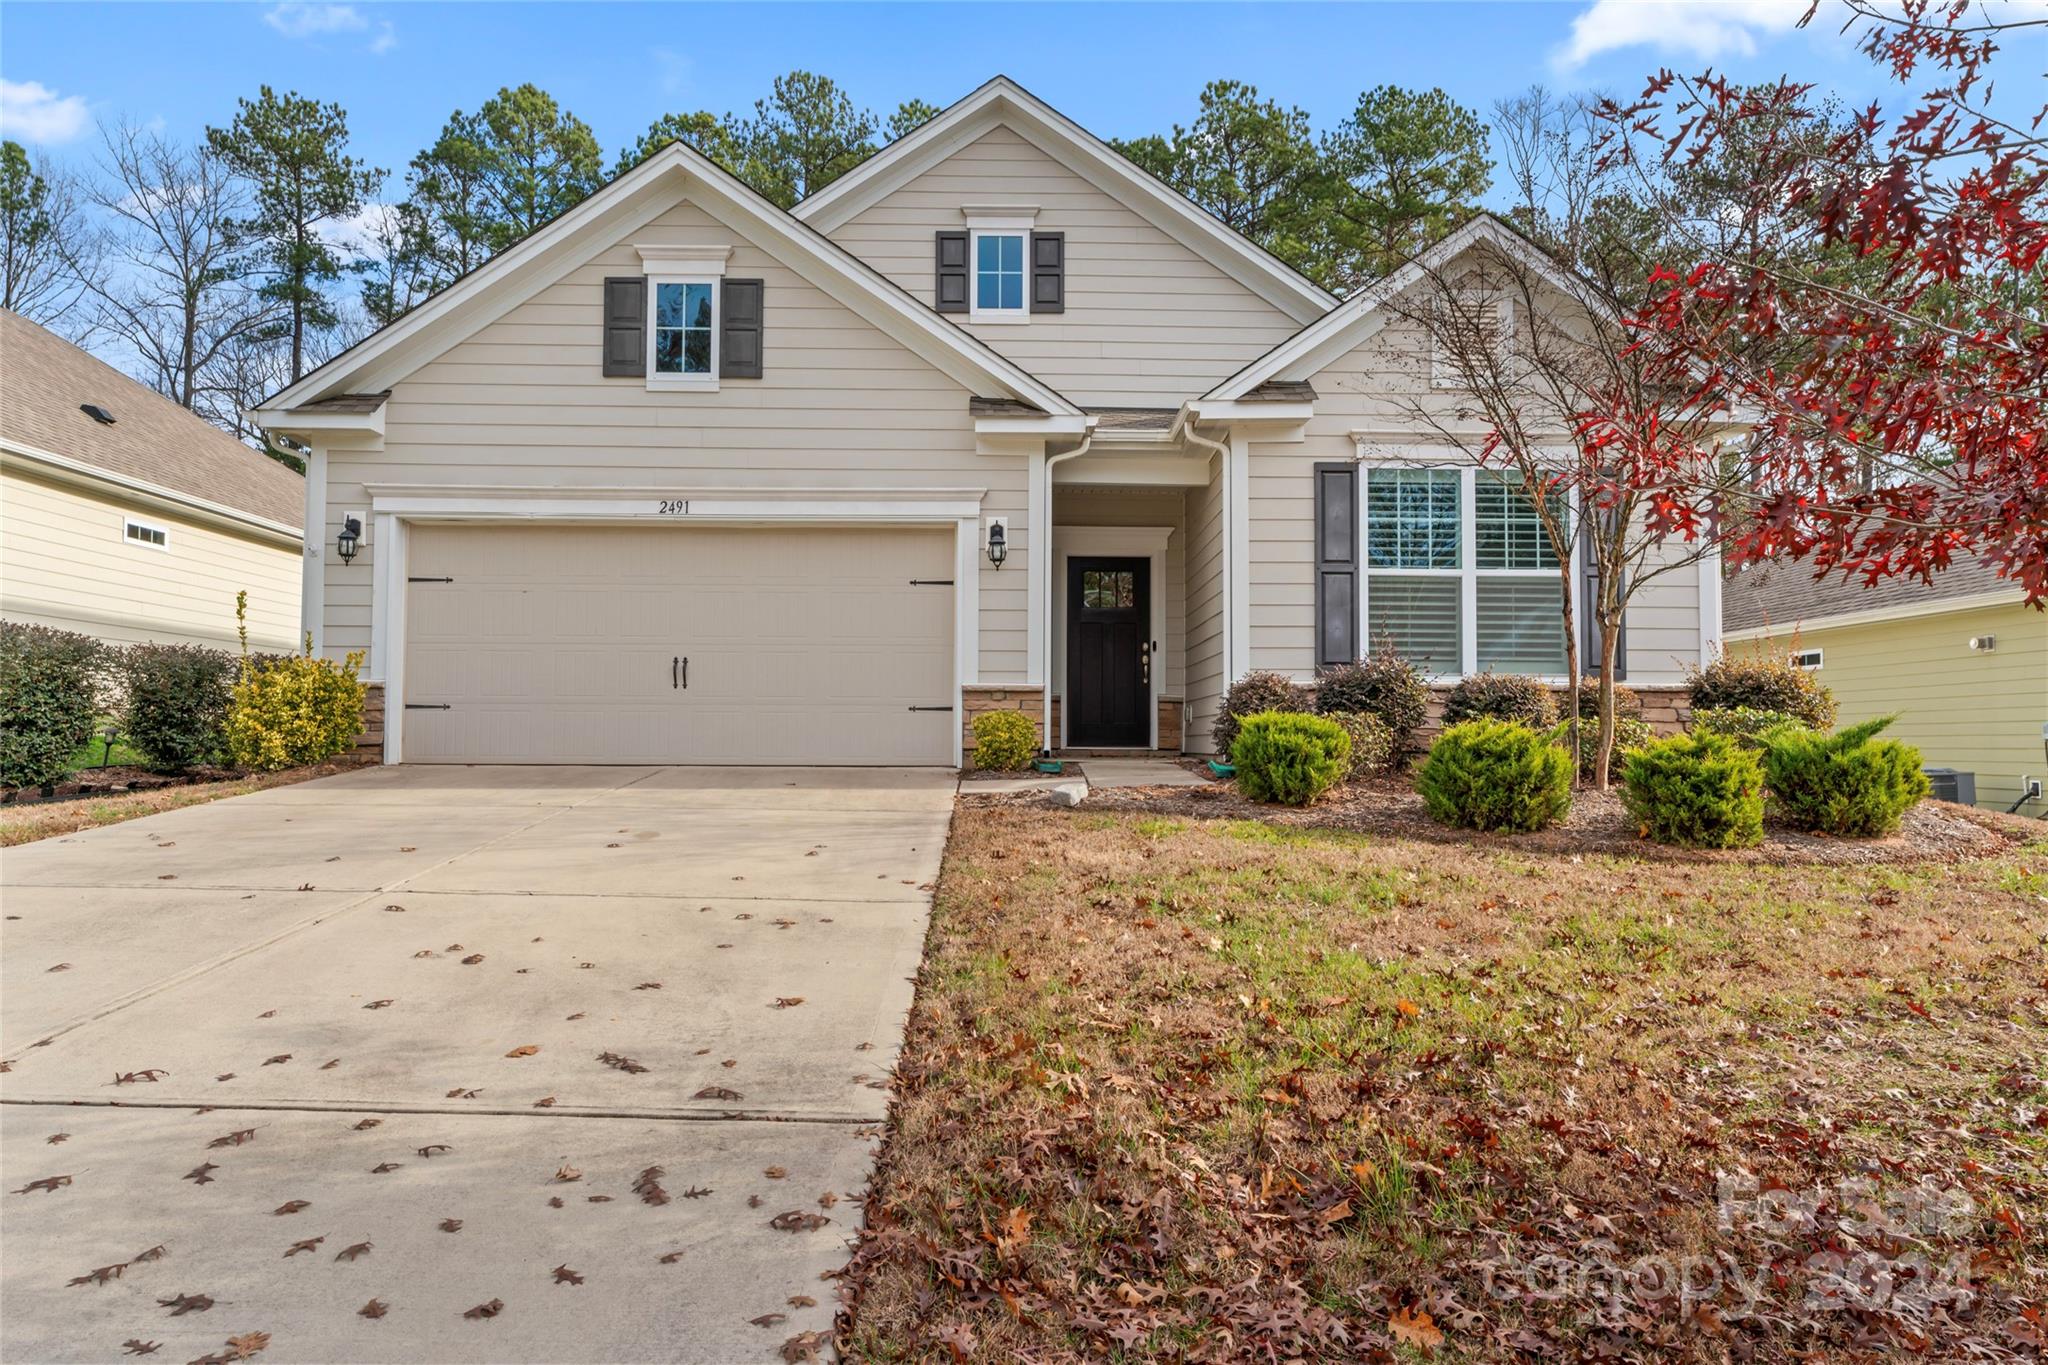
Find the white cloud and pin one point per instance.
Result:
(32, 112)
(298, 19)
(357, 234)
(386, 39)
(1704, 29)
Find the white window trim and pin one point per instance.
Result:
(1468, 574)
(665, 263)
(1801, 656)
(131, 523)
(978, 228)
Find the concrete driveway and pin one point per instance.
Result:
(446, 1030)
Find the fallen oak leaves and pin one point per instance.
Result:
(525, 1050)
(291, 1206)
(564, 1275)
(181, 1304)
(139, 1077)
(717, 1092)
(307, 1245)
(451, 1225)
(375, 1308)
(618, 1063)
(1416, 1328)
(234, 1139)
(49, 1184)
(798, 1220)
(486, 1310)
(648, 1186)
(353, 1253)
(202, 1174)
(104, 1275)
(136, 1346)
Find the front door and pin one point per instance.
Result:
(1109, 653)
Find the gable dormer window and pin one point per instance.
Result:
(998, 275)
(682, 310)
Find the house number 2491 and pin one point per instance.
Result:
(675, 507)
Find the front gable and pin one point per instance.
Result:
(1161, 301)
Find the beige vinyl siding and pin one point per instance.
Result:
(1148, 322)
(840, 405)
(1375, 388)
(1204, 561)
(1139, 507)
(65, 561)
(1980, 711)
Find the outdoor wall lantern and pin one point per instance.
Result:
(351, 532)
(998, 544)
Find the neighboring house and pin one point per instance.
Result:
(125, 517)
(995, 420)
(1962, 662)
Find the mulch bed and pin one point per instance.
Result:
(114, 781)
(1933, 831)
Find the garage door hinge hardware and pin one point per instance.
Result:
(428, 706)
(429, 580)
(931, 582)
(931, 708)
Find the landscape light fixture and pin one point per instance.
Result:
(351, 533)
(998, 544)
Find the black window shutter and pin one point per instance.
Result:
(1048, 272)
(949, 289)
(1589, 577)
(1336, 564)
(625, 326)
(739, 329)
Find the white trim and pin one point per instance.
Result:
(1800, 657)
(1133, 542)
(313, 561)
(1002, 101)
(660, 274)
(625, 205)
(79, 471)
(1709, 569)
(1237, 507)
(999, 218)
(1873, 615)
(397, 507)
(161, 544)
(687, 259)
(1348, 324)
(1037, 533)
(1022, 312)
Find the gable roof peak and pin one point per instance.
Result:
(1001, 100)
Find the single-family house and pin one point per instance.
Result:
(1961, 660)
(123, 516)
(994, 420)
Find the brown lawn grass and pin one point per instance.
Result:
(1220, 1089)
(27, 822)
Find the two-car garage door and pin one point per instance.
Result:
(678, 644)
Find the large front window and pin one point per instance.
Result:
(684, 314)
(1461, 576)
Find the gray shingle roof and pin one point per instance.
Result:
(1282, 391)
(346, 402)
(44, 379)
(1133, 419)
(1787, 595)
(1003, 407)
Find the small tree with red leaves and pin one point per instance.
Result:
(1894, 360)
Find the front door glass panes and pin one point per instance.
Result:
(999, 272)
(682, 329)
(1109, 588)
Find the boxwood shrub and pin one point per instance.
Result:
(1703, 790)
(1849, 783)
(1495, 775)
(1004, 740)
(1255, 692)
(294, 710)
(50, 683)
(1762, 684)
(1501, 696)
(1384, 685)
(1289, 757)
(1372, 744)
(175, 706)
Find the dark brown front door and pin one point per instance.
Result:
(1109, 675)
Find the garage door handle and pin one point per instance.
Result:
(679, 673)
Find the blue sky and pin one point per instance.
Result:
(1121, 70)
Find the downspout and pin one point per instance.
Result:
(1186, 429)
(1045, 664)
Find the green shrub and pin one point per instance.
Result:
(176, 703)
(1004, 740)
(1251, 695)
(1384, 685)
(1702, 790)
(1372, 745)
(1501, 696)
(1627, 705)
(1629, 736)
(1745, 725)
(1762, 684)
(1848, 783)
(49, 698)
(293, 710)
(1290, 758)
(1495, 774)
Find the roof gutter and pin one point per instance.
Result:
(205, 509)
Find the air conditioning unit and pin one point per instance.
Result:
(1952, 784)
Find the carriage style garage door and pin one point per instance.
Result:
(678, 644)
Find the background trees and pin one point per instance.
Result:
(44, 241)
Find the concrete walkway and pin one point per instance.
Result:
(457, 1014)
